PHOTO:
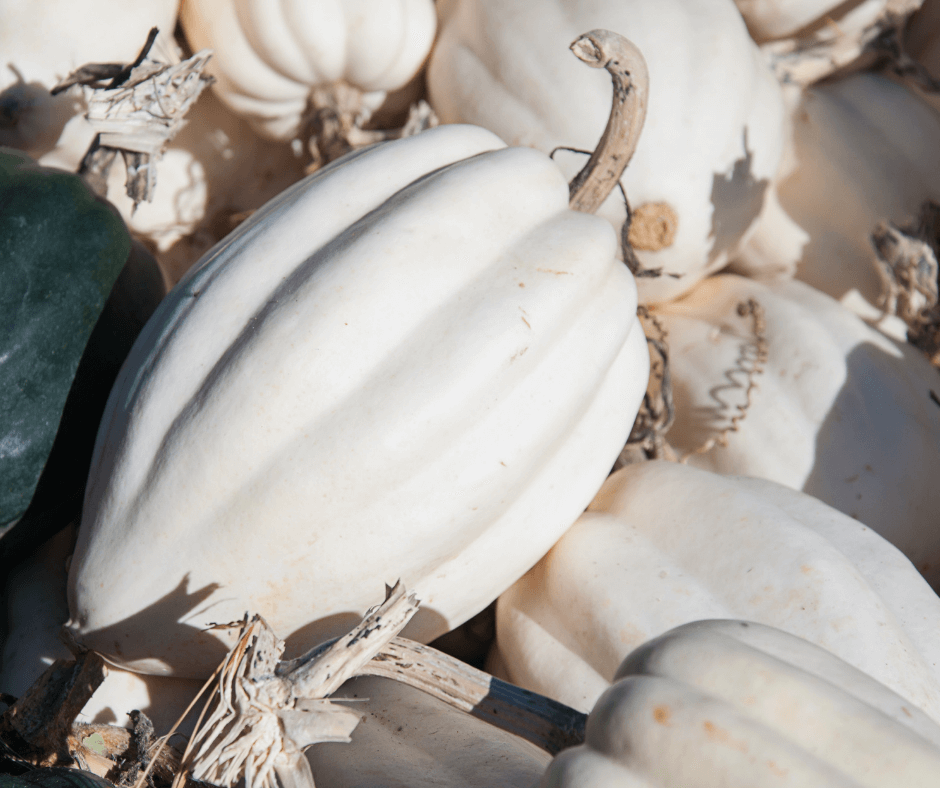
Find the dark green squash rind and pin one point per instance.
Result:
(61, 250)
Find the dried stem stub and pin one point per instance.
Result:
(826, 50)
(907, 259)
(627, 68)
(334, 121)
(267, 711)
(140, 109)
(263, 719)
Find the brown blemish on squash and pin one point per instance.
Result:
(778, 770)
(653, 226)
(722, 736)
(661, 714)
(552, 271)
(630, 635)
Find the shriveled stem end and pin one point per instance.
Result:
(628, 72)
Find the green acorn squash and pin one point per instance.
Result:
(61, 251)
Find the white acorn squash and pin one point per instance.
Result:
(36, 607)
(808, 40)
(772, 19)
(408, 738)
(215, 169)
(664, 544)
(46, 40)
(714, 126)
(860, 152)
(416, 363)
(269, 56)
(734, 704)
(840, 411)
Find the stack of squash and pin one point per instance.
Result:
(423, 359)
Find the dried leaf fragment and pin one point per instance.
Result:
(136, 114)
(907, 259)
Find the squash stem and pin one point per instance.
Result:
(628, 72)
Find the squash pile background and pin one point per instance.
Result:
(792, 477)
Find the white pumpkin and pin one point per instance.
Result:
(664, 544)
(861, 153)
(43, 41)
(215, 169)
(36, 608)
(733, 704)
(417, 363)
(409, 738)
(269, 56)
(840, 411)
(714, 125)
(772, 19)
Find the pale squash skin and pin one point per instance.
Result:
(775, 19)
(379, 375)
(270, 55)
(841, 411)
(665, 544)
(46, 40)
(734, 704)
(860, 152)
(408, 739)
(713, 134)
(214, 170)
(36, 607)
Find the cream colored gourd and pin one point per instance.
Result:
(407, 737)
(773, 19)
(807, 41)
(860, 154)
(417, 363)
(43, 41)
(664, 544)
(269, 56)
(216, 169)
(713, 128)
(734, 704)
(35, 609)
(840, 411)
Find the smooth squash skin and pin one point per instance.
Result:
(34, 609)
(735, 704)
(409, 739)
(61, 251)
(859, 152)
(43, 42)
(841, 411)
(417, 363)
(664, 544)
(270, 56)
(713, 134)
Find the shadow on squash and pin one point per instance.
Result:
(900, 502)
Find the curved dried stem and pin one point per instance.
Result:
(546, 723)
(627, 68)
(266, 711)
(263, 719)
